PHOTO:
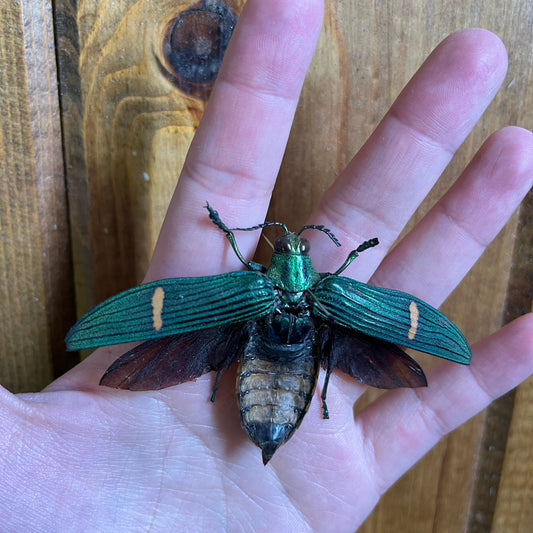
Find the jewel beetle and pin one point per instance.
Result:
(281, 322)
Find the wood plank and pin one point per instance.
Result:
(489, 462)
(68, 49)
(513, 509)
(49, 177)
(35, 262)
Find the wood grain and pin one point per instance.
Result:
(68, 55)
(514, 506)
(514, 502)
(36, 282)
(137, 128)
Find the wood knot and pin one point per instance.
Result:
(194, 44)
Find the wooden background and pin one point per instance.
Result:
(92, 137)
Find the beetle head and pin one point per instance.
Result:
(291, 243)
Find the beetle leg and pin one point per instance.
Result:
(354, 253)
(215, 218)
(324, 345)
(250, 264)
(215, 386)
(325, 412)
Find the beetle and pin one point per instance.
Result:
(281, 322)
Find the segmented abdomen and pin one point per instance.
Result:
(274, 389)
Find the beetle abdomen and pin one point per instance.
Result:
(275, 387)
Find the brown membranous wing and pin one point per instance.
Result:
(369, 360)
(160, 363)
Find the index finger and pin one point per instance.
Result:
(236, 153)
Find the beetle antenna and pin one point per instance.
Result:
(215, 218)
(263, 225)
(355, 253)
(323, 229)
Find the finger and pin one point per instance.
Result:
(236, 153)
(386, 181)
(403, 425)
(452, 236)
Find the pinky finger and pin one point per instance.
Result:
(405, 424)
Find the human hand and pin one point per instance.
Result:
(82, 457)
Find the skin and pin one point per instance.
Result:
(82, 457)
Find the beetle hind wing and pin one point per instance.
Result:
(160, 363)
(369, 360)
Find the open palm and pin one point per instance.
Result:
(159, 460)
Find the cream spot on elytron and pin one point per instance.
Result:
(157, 308)
(413, 315)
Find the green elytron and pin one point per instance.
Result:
(282, 323)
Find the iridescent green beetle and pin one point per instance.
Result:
(282, 323)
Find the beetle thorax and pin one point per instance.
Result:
(290, 268)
